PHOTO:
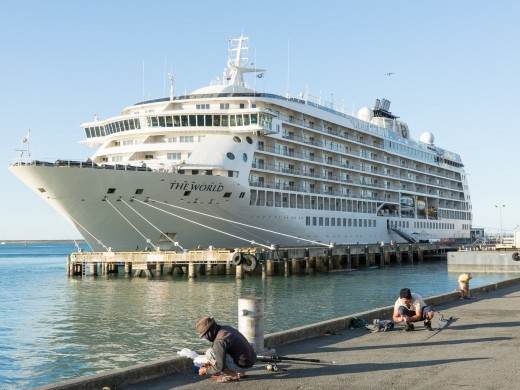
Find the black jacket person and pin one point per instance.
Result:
(230, 353)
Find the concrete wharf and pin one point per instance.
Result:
(251, 260)
(478, 349)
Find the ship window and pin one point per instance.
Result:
(314, 220)
(242, 105)
(240, 122)
(230, 155)
(154, 121)
(246, 120)
(139, 191)
(249, 140)
(224, 106)
(254, 119)
(184, 120)
(237, 139)
(216, 120)
(209, 120)
(225, 120)
(111, 191)
(200, 120)
(227, 195)
(169, 122)
(320, 221)
(192, 120)
(232, 120)
(244, 157)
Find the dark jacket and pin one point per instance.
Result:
(227, 339)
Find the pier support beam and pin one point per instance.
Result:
(93, 269)
(420, 255)
(270, 267)
(239, 272)
(159, 267)
(128, 268)
(192, 273)
(295, 266)
(398, 255)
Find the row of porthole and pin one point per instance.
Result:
(231, 156)
(237, 139)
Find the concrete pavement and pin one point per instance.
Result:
(480, 349)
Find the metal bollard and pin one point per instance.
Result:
(251, 321)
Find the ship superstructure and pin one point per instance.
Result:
(231, 167)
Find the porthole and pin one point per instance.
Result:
(244, 157)
(230, 155)
(237, 139)
(249, 140)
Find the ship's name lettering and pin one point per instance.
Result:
(196, 187)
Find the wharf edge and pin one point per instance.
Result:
(279, 261)
(134, 377)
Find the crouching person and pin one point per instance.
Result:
(230, 355)
(411, 308)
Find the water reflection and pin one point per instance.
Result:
(55, 328)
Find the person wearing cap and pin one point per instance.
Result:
(409, 308)
(464, 285)
(230, 355)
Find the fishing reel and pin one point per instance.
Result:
(272, 367)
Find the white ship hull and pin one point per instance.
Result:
(80, 195)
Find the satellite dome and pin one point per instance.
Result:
(427, 138)
(365, 114)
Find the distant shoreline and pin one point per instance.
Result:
(81, 241)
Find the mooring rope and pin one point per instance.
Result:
(200, 224)
(94, 237)
(240, 223)
(152, 225)
(130, 223)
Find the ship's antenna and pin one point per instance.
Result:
(143, 80)
(25, 140)
(170, 76)
(288, 68)
(164, 76)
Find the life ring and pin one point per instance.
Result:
(249, 262)
(237, 258)
(516, 256)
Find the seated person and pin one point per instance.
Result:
(411, 308)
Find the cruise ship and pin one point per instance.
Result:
(227, 166)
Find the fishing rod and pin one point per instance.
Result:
(278, 359)
(272, 361)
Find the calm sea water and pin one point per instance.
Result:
(55, 328)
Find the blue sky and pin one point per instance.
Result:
(455, 64)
